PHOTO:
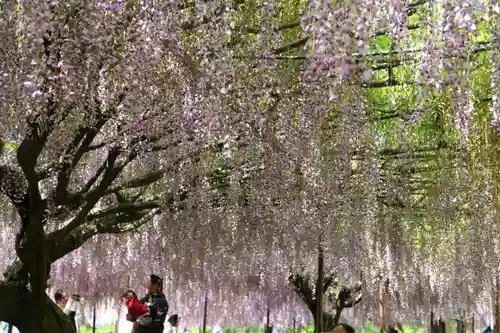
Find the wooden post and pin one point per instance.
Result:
(94, 321)
(381, 314)
(117, 323)
(432, 323)
(442, 326)
(319, 289)
(464, 323)
(268, 317)
(205, 313)
(387, 308)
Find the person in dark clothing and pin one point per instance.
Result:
(157, 304)
(71, 309)
(61, 298)
(70, 306)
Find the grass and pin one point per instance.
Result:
(105, 329)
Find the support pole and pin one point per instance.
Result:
(464, 323)
(205, 313)
(117, 323)
(381, 314)
(94, 321)
(268, 317)
(294, 325)
(319, 289)
(387, 308)
(10, 328)
(432, 323)
(442, 326)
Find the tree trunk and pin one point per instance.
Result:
(18, 308)
(329, 321)
(18, 311)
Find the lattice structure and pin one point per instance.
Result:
(213, 143)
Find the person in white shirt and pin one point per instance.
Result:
(123, 325)
(218, 329)
(74, 310)
(172, 324)
(70, 306)
(4, 328)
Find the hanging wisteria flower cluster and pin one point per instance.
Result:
(218, 144)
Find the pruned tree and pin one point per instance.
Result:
(340, 296)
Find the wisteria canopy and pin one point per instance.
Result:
(217, 143)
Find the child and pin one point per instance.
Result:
(137, 310)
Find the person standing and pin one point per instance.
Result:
(61, 297)
(70, 306)
(157, 304)
(123, 325)
(74, 310)
(173, 323)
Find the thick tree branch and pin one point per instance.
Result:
(109, 175)
(126, 223)
(13, 185)
(60, 245)
(303, 288)
(124, 208)
(27, 155)
(346, 298)
(143, 181)
(89, 190)
(329, 280)
(74, 152)
(81, 143)
(110, 172)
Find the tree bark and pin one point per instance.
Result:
(329, 321)
(18, 310)
(347, 298)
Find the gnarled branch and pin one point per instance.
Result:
(60, 245)
(13, 185)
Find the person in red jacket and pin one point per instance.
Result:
(137, 310)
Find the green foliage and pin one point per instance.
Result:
(383, 43)
(105, 329)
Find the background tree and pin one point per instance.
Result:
(340, 296)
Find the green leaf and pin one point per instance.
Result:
(383, 43)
